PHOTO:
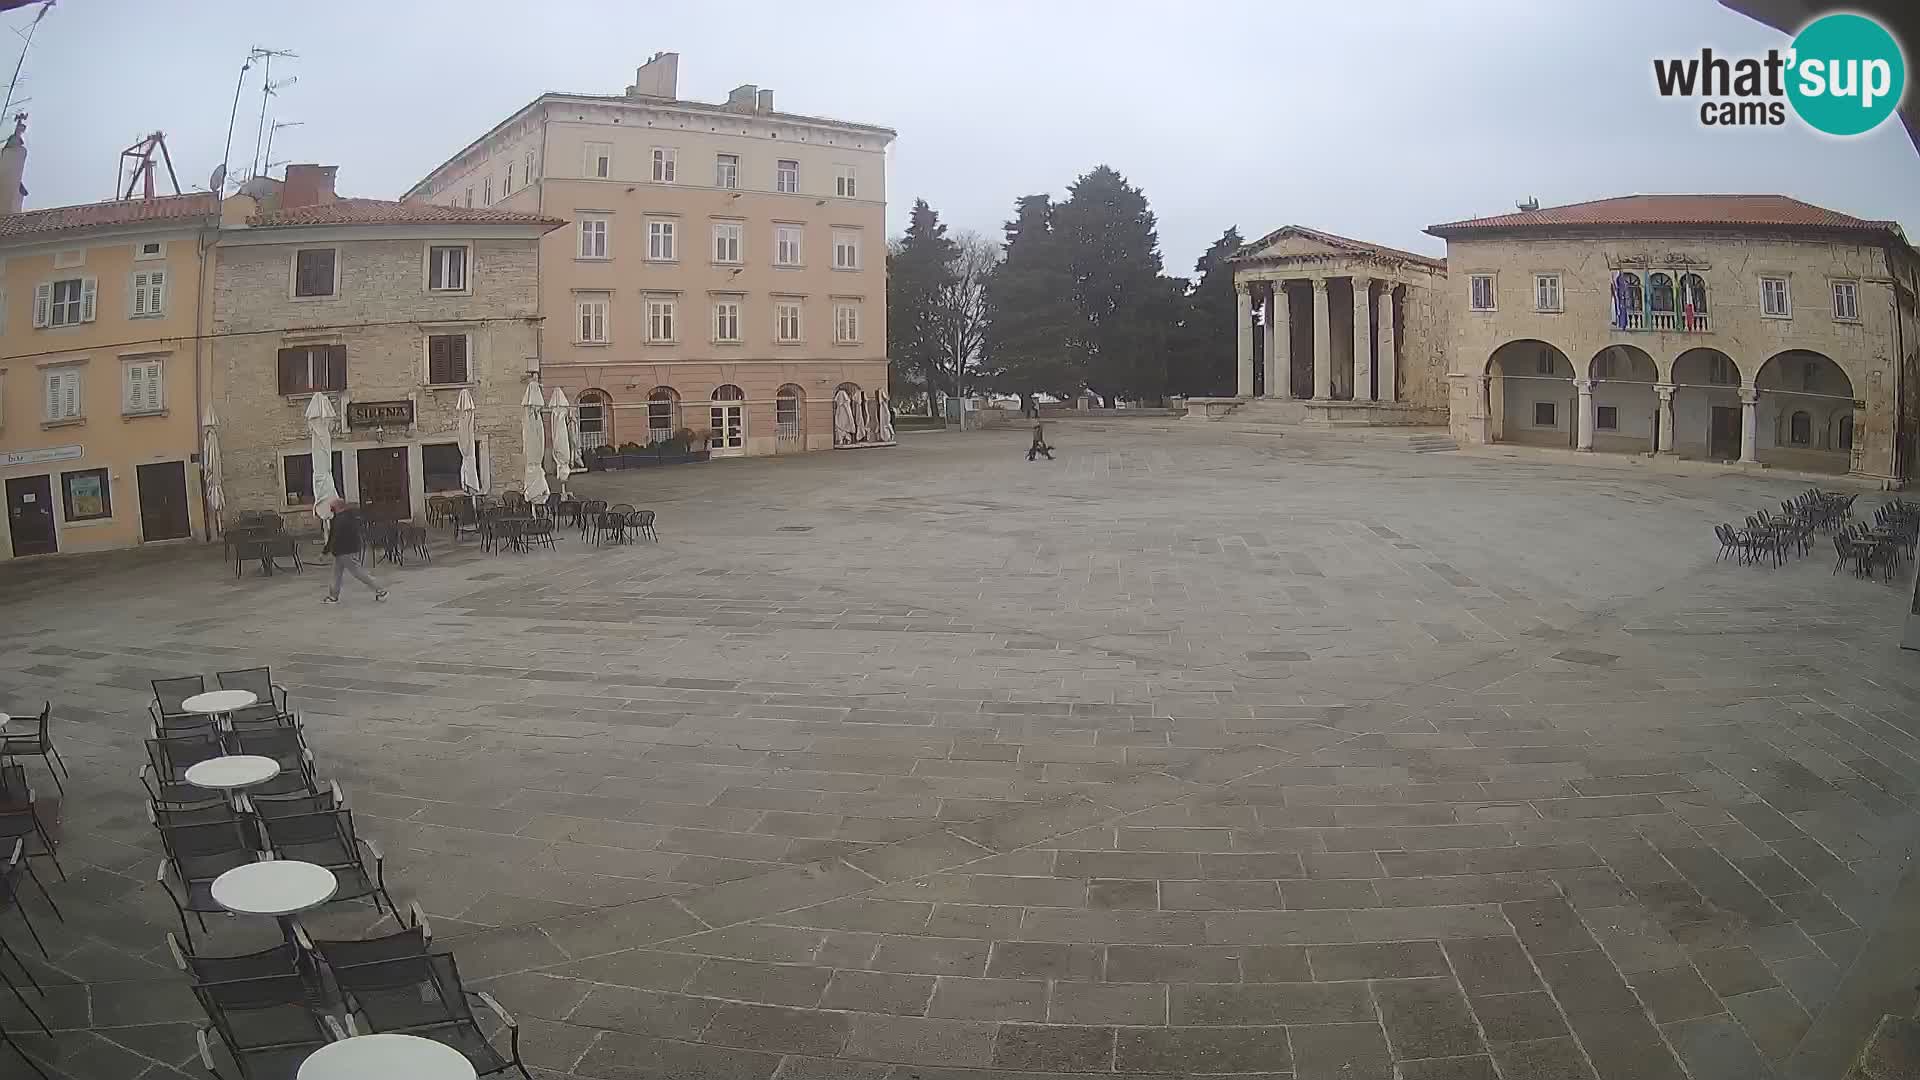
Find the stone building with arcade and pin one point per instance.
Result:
(1740, 328)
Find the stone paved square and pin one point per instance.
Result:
(1188, 753)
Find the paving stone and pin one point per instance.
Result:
(772, 984)
(1340, 1052)
(931, 956)
(1715, 1048)
(782, 1030)
(1426, 1018)
(1274, 963)
(1170, 963)
(1054, 1047)
(1044, 960)
(1379, 960)
(1675, 993)
(1549, 1059)
(1519, 1017)
(615, 1056)
(1585, 982)
(1491, 965)
(927, 1041)
(1731, 971)
(989, 999)
(1773, 1020)
(1478, 1067)
(1202, 1050)
(1108, 1003)
(1271, 1003)
(880, 992)
(644, 1012)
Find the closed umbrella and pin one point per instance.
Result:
(533, 438)
(210, 464)
(561, 415)
(469, 450)
(320, 418)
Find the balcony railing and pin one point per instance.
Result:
(1665, 322)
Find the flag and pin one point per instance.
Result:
(1689, 315)
(1619, 300)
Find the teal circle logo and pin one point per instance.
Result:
(1847, 74)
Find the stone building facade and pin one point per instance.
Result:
(1742, 328)
(724, 268)
(391, 309)
(1344, 331)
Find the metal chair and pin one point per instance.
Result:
(196, 854)
(169, 694)
(267, 1025)
(12, 872)
(588, 516)
(6, 951)
(328, 839)
(282, 959)
(37, 743)
(423, 996)
(414, 939)
(258, 681)
(20, 820)
(20, 1050)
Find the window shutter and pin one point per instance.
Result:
(42, 303)
(153, 386)
(53, 394)
(88, 288)
(336, 367)
(457, 360)
(139, 295)
(289, 382)
(70, 393)
(135, 396)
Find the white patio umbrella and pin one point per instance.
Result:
(533, 438)
(469, 450)
(210, 463)
(320, 418)
(561, 414)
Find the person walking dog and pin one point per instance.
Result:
(1039, 443)
(344, 544)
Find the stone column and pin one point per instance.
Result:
(1243, 310)
(1750, 423)
(1584, 438)
(1322, 355)
(1388, 364)
(1279, 330)
(1664, 391)
(1362, 339)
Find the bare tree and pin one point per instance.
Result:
(963, 310)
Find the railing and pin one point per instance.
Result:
(591, 439)
(1665, 322)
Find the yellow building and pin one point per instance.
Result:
(724, 268)
(100, 319)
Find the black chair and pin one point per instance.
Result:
(285, 745)
(20, 820)
(196, 854)
(37, 743)
(169, 694)
(172, 755)
(6, 952)
(328, 839)
(258, 681)
(539, 531)
(298, 803)
(20, 1050)
(282, 959)
(414, 939)
(267, 1025)
(588, 516)
(15, 869)
(177, 795)
(640, 523)
(423, 996)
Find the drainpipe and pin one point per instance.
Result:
(200, 301)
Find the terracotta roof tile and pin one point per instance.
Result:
(388, 212)
(1774, 211)
(32, 223)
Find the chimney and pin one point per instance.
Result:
(13, 167)
(741, 98)
(764, 102)
(659, 77)
(308, 185)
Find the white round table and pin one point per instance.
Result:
(219, 701)
(277, 887)
(232, 774)
(386, 1057)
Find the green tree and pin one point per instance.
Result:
(1127, 308)
(1031, 322)
(919, 276)
(1204, 350)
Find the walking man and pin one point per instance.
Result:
(343, 543)
(1039, 443)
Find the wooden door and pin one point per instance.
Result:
(384, 490)
(1723, 437)
(163, 501)
(30, 515)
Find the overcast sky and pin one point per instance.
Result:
(1372, 120)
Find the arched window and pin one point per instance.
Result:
(1660, 290)
(1800, 429)
(1693, 293)
(663, 413)
(729, 392)
(786, 411)
(1628, 301)
(1846, 432)
(595, 419)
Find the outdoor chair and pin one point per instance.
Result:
(439, 510)
(170, 694)
(413, 940)
(172, 755)
(285, 745)
(621, 508)
(20, 820)
(282, 959)
(328, 839)
(568, 511)
(612, 528)
(1731, 543)
(6, 952)
(259, 681)
(189, 884)
(37, 743)
(21, 1051)
(640, 523)
(176, 795)
(423, 996)
(298, 803)
(268, 1025)
(588, 516)
(13, 871)
(538, 531)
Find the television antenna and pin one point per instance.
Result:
(268, 88)
(142, 175)
(14, 83)
(269, 163)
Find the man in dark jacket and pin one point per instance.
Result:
(343, 543)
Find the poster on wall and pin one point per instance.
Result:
(88, 493)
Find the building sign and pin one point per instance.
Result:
(362, 414)
(11, 458)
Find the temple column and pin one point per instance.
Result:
(1279, 328)
(1362, 339)
(1583, 439)
(1322, 355)
(1243, 310)
(1664, 391)
(1749, 425)
(1388, 364)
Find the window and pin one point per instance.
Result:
(786, 321)
(1480, 292)
(1693, 295)
(786, 245)
(846, 250)
(1543, 362)
(660, 246)
(486, 192)
(506, 188)
(63, 394)
(1546, 292)
(469, 197)
(149, 293)
(440, 466)
(1628, 302)
(1846, 301)
(1846, 432)
(660, 320)
(786, 176)
(590, 315)
(592, 416)
(68, 302)
(448, 363)
(87, 495)
(663, 413)
(1800, 429)
(593, 237)
(1607, 417)
(599, 162)
(1545, 414)
(144, 388)
(311, 369)
(298, 470)
(726, 171)
(1660, 301)
(314, 272)
(786, 412)
(726, 320)
(846, 323)
(527, 177)
(726, 241)
(1603, 366)
(150, 249)
(846, 181)
(1774, 300)
(447, 268)
(1808, 369)
(1720, 372)
(666, 161)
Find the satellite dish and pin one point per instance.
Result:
(218, 180)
